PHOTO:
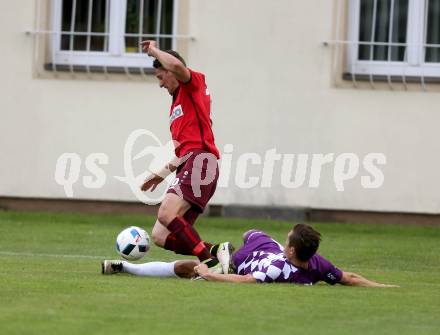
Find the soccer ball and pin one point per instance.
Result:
(133, 243)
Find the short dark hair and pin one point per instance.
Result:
(157, 64)
(305, 240)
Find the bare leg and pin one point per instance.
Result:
(171, 207)
(185, 269)
(183, 238)
(159, 234)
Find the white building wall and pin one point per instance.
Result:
(270, 79)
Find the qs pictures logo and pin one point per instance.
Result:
(69, 165)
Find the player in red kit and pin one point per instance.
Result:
(195, 164)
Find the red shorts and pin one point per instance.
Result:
(196, 179)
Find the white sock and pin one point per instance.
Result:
(150, 269)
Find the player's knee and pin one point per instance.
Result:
(171, 207)
(165, 215)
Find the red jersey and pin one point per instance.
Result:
(190, 117)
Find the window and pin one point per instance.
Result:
(107, 33)
(394, 38)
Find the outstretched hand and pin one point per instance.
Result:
(151, 183)
(389, 285)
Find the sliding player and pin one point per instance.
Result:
(261, 259)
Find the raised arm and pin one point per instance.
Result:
(353, 279)
(169, 62)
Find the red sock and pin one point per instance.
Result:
(189, 238)
(191, 216)
(173, 244)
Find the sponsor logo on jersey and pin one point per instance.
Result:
(176, 113)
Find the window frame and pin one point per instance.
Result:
(116, 56)
(413, 65)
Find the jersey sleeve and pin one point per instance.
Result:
(328, 272)
(196, 82)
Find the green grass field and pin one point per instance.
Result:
(50, 282)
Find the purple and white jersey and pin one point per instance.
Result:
(263, 257)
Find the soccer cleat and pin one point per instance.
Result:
(224, 255)
(214, 265)
(218, 268)
(111, 267)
